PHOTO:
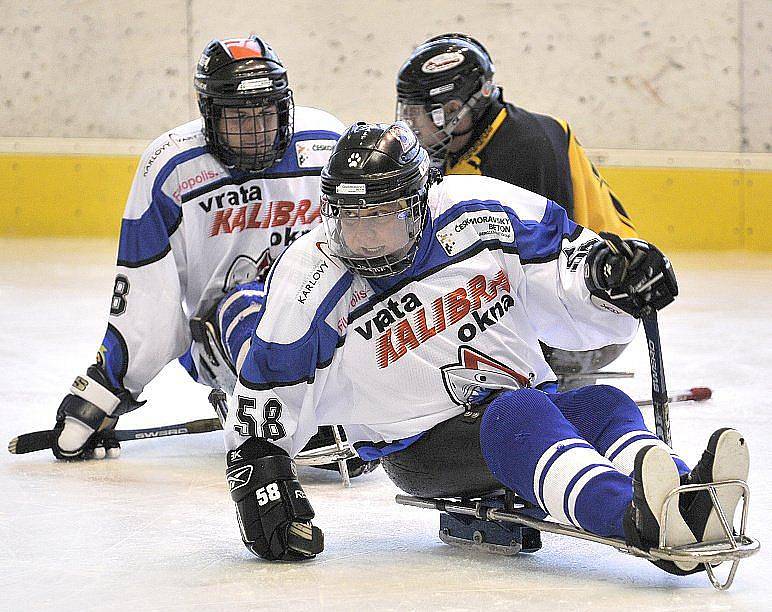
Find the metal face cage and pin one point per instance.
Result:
(374, 240)
(250, 136)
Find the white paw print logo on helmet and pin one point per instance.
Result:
(354, 159)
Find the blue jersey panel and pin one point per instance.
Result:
(541, 241)
(272, 364)
(146, 239)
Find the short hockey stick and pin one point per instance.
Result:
(42, 440)
(659, 397)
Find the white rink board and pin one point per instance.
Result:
(155, 529)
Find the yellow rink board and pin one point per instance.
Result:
(676, 208)
(63, 195)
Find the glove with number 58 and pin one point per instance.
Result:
(273, 511)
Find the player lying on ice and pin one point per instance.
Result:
(419, 290)
(214, 202)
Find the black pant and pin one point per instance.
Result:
(445, 462)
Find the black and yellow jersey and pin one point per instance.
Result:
(541, 154)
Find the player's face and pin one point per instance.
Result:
(377, 232)
(249, 129)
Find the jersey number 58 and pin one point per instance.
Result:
(267, 425)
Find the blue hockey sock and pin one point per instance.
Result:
(611, 421)
(530, 446)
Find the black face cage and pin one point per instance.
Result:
(443, 135)
(410, 210)
(249, 145)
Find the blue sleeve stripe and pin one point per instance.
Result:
(146, 239)
(271, 364)
(555, 254)
(541, 241)
(285, 381)
(537, 241)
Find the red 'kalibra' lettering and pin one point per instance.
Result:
(263, 215)
(447, 310)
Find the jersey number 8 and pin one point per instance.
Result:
(120, 289)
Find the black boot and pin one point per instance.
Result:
(654, 476)
(725, 458)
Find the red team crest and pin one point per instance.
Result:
(476, 371)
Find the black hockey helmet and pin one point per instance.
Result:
(444, 68)
(374, 197)
(246, 102)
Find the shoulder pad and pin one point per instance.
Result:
(166, 146)
(315, 120)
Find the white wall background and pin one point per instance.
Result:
(654, 74)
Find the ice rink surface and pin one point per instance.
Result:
(155, 529)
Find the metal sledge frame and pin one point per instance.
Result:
(339, 453)
(734, 547)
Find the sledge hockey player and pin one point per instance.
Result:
(416, 323)
(213, 202)
(446, 92)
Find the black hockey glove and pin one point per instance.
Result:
(273, 511)
(87, 417)
(631, 275)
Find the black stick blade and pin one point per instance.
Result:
(31, 442)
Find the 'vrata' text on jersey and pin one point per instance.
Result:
(243, 208)
(412, 331)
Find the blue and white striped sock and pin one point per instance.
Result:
(612, 422)
(533, 449)
(623, 450)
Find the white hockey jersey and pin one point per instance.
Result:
(498, 268)
(192, 228)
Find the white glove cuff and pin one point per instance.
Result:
(91, 391)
